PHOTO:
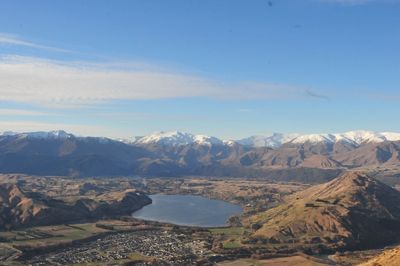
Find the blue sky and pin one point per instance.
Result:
(225, 68)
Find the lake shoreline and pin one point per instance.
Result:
(188, 210)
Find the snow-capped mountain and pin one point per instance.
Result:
(391, 136)
(176, 138)
(313, 138)
(55, 134)
(353, 137)
(8, 133)
(274, 141)
(361, 136)
(149, 155)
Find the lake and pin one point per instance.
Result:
(188, 210)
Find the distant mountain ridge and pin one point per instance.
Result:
(275, 140)
(178, 138)
(178, 153)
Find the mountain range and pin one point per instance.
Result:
(177, 153)
(276, 140)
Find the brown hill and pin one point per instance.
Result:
(371, 154)
(351, 211)
(320, 161)
(15, 207)
(387, 258)
(18, 209)
(325, 155)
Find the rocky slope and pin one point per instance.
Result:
(351, 211)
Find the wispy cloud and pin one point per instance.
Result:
(316, 95)
(20, 112)
(56, 83)
(15, 40)
(136, 116)
(246, 110)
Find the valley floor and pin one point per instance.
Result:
(125, 241)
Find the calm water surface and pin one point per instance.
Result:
(188, 210)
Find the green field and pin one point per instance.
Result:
(230, 237)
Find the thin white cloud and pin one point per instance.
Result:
(315, 95)
(20, 112)
(55, 83)
(246, 110)
(14, 40)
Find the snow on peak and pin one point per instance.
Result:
(360, 136)
(356, 137)
(176, 138)
(314, 138)
(207, 140)
(8, 133)
(229, 142)
(391, 136)
(276, 140)
(273, 141)
(55, 134)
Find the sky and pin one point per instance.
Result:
(224, 68)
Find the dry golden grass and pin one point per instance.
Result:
(387, 258)
(286, 261)
(320, 214)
